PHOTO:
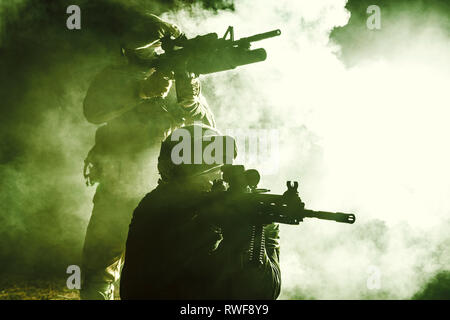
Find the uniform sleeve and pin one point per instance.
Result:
(263, 281)
(114, 91)
(241, 279)
(132, 285)
(271, 262)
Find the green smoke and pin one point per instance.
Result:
(367, 135)
(45, 70)
(370, 138)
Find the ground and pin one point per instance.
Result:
(36, 290)
(23, 288)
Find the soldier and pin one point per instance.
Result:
(177, 246)
(135, 109)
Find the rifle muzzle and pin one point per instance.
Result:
(335, 216)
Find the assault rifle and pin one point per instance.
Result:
(237, 198)
(205, 54)
(263, 207)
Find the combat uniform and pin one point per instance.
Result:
(123, 159)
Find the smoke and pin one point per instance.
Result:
(362, 123)
(45, 70)
(368, 136)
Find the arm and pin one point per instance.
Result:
(246, 280)
(263, 281)
(191, 99)
(271, 273)
(114, 91)
(118, 89)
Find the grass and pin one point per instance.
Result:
(25, 289)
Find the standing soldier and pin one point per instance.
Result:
(181, 245)
(136, 114)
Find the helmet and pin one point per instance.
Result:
(193, 150)
(145, 32)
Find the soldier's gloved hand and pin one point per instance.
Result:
(155, 85)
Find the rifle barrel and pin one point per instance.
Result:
(261, 36)
(335, 216)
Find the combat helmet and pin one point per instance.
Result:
(142, 38)
(193, 150)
